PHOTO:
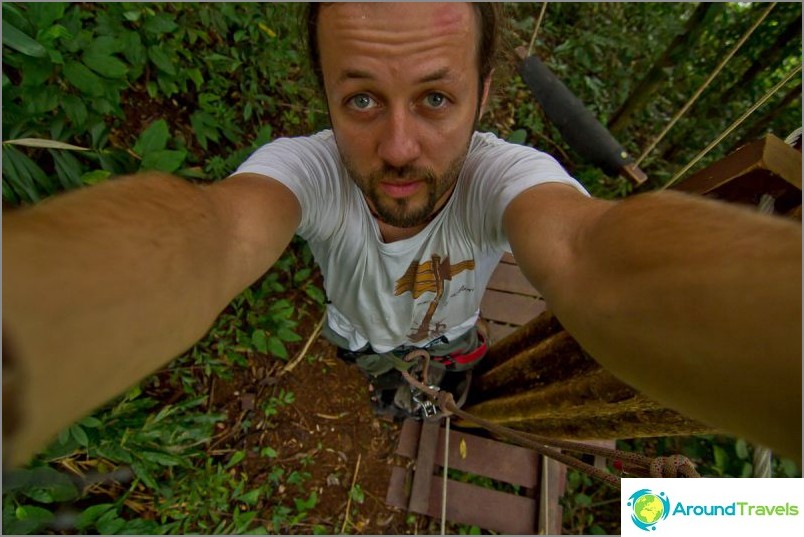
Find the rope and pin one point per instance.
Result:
(444, 487)
(733, 126)
(763, 455)
(536, 29)
(631, 463)
(762, 461)
(703, 87)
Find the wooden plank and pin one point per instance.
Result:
(425, 463)
(508, 258)
(485, 457)
(500, 461)
(397, 488)
(500, 331)
(769, 153)
(510, 309)
(510, 279)
(408, 443)
(486, 508)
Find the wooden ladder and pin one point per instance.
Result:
(418, 489)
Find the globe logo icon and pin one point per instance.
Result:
(648, 508)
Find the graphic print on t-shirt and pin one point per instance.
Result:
(429, 277)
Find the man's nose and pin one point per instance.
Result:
(399, 144)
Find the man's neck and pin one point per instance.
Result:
(391, 233)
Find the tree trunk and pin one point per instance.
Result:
(677, 52)
(767, 58)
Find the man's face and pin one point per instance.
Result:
(402, 89)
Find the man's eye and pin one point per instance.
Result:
(362, 102)
(435, 100)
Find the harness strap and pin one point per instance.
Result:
(465, 358)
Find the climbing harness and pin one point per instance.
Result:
(627, 462)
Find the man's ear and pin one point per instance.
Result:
(484, 99)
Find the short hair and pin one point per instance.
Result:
(489, 15)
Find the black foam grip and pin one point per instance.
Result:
(579, 127)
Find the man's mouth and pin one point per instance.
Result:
(400, 189)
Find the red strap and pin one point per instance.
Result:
(470, 357)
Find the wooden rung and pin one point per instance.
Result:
(425, 464)
(469, 504)
(499, 461)
(509, 278)
(509, 308)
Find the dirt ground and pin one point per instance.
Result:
(329, 431)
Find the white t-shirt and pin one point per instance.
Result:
(411, 291)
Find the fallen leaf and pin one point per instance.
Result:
(462, 448)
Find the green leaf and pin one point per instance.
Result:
(79, 434)
(67, 168)
(15, 172)
(48, 144)
(286, 334)
(277, 348)
(161, 23)
(110, 523)
(163, 459)
(259, 341)
(518, 136)
(583, 500)
(741, 448)
(161, 60)
(154, 138)
(165, 160)
(75, 110)
(357, 494)
(31, 513)
(91, 514)
(44, 14)
(47, 485)
(145, 476)
(251, 498)
(721, 458)
(106, 65)
(95, 176)
(315, 293)
(21, 42)
(80, 76)
(268, 452)
(236, 458)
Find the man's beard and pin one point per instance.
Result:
(399, 212)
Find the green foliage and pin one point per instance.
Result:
(102, 76)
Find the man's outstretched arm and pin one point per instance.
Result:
(695, 303)
(103, 286)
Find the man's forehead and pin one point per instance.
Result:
(443, 17)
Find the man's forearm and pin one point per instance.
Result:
(698, 305)
(695, 303)
(103, 286)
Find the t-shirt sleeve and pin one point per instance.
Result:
(502, 171)
(308, 166)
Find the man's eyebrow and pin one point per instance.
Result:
(356, 74)
(442, 73)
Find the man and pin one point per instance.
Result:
(140, 267)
